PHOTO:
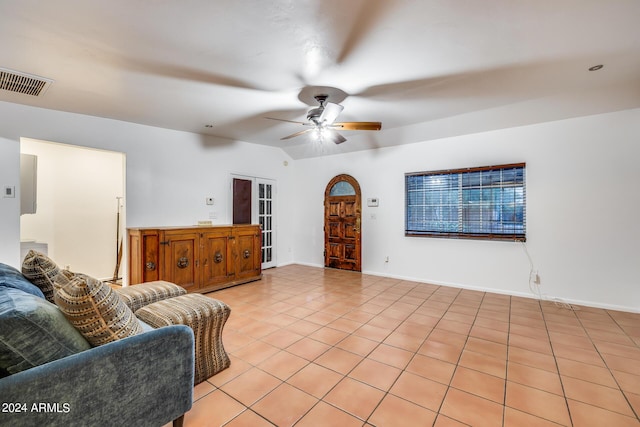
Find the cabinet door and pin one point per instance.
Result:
(180, 255)
(144, 262)
(247, 251)
(216, 259)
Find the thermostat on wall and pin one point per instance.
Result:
(372, 202)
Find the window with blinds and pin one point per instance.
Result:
(478, 203)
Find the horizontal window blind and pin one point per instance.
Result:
(485, 203)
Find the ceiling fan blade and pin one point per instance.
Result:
(333, 136)
(293, 135)
(288, 121)
(330, 113)
(357, 125)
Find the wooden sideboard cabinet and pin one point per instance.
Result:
(200, 259)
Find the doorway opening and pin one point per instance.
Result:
(253, 202)
(342, 223)
(77, 216)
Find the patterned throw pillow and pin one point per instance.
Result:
(41, 271)
(63, 278)
(96, 310)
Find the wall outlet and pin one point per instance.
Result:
(536, 278)
(205, 223)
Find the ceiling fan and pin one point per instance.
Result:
(322, 124)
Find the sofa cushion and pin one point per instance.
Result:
(33, 331)
(138, 296)
(12, 278)
(96, 310)
(41, 271)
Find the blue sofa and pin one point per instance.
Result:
(51, 376)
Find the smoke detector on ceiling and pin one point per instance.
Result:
(28, 84)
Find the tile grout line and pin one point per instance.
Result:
(555, 360)
(607, 364)
(455, 369)
(506, 373)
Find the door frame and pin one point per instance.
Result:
(358, 217)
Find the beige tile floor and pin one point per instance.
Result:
(316, 347)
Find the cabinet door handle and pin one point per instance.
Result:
(183, 262)
(246, 253)
(150, 266)
(217, 258)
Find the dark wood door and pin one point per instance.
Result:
(242, 201)
(342, 223)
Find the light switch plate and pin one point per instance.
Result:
(9, 191)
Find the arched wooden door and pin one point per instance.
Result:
(342, 221)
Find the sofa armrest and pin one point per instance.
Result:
(143, 380)
(138, 296)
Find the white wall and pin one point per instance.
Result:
(583, 231)
(9, 207)
(169, 173)
(77, 205)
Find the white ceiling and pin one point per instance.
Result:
(425, 68)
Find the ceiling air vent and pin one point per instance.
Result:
(28, 84)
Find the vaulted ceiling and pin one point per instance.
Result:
(426, 69)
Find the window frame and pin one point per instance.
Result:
(459, 206)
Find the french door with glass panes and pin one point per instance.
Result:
(266, 218)
(253, 200)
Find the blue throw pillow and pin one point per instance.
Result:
(33, 331)
(11, 277)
